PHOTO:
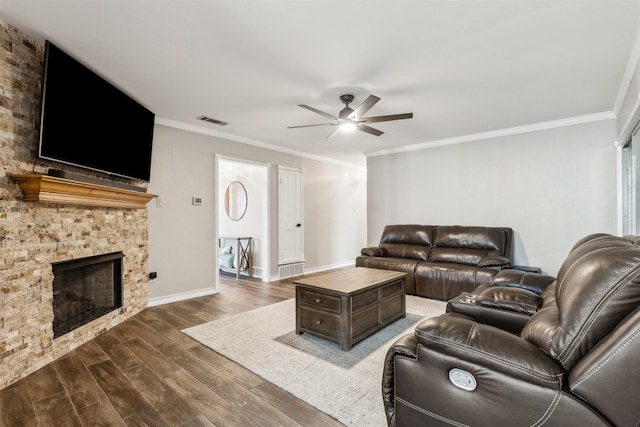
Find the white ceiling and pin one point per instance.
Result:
(462, 67)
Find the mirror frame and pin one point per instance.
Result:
(239, 194)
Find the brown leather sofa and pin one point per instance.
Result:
(441, 261)
(575, 363)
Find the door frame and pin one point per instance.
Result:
(266, 246)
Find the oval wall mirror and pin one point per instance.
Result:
(235, 201)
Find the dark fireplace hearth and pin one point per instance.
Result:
(85, 289)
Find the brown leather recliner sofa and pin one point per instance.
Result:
(441, 261)
(575, 362)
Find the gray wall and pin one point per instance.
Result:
(182, 241)
(552, 187)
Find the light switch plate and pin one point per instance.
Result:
(197, 200)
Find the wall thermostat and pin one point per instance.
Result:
(197, 200)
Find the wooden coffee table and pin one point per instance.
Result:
(347, 306)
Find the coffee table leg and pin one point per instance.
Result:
(346, 335)
(298, 311)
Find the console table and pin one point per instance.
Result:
(243, 253)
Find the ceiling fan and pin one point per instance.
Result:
(349, 119)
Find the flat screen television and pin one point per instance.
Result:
(88, 122)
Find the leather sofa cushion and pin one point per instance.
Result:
(394, 264)
(409, 234)
(400, 250)
(510, 299)
(407, 241)
(458, 255)
(467, 245)
(445, 281)
(533, 282)
(492, 239)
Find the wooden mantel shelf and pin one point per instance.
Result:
(51, 189)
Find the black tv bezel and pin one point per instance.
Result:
(112, 172)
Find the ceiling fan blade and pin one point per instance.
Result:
(369, 129)
(364, 107)
(332, 134)
(315, 110)
(386, 118)
(308, 126)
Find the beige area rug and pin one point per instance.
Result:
(344, 385)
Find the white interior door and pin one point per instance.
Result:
(290, 214)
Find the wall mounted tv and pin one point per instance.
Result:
(88, 122)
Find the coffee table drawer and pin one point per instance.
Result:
(392, 308)
(392, 289)
(365, 321)
(320, 323)
(320, 300)
(364, 299)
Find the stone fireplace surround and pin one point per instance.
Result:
(35, 235)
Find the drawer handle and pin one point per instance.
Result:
(318, 322)
(318, 300)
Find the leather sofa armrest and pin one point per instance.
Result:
(533, 282)
(406, 346)
(372, 251)
(494, 261)
(498, 351)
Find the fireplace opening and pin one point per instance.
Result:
(85, 289)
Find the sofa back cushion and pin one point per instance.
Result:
(468, 245)
(407, 241)
(597, 286)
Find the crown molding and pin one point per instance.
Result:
(498, 133)
(254, 142)
(627, 77)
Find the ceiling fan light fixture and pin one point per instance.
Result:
(347, 126)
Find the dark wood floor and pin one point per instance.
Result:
(145, 372)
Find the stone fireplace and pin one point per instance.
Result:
(37, 237)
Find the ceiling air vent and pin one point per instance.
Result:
(210, 120)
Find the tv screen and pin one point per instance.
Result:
(88, 122)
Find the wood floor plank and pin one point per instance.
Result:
(124, 396)
(82, 388)
(16, 408)
(167, 402)
(151, 356)
(231, 369)
(90, 352)
(101, 414)
(296, 409)
(118, 353)
(44, 383)
(161, 327)
(252, 405)
(56, 410)
(199, 421)
(213, 406)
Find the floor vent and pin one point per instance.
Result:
(210, 120)
(290, 270)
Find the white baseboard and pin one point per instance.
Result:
(181, 296)
(329, 267)
(319, 269)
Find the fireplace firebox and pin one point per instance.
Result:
(85, 289)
